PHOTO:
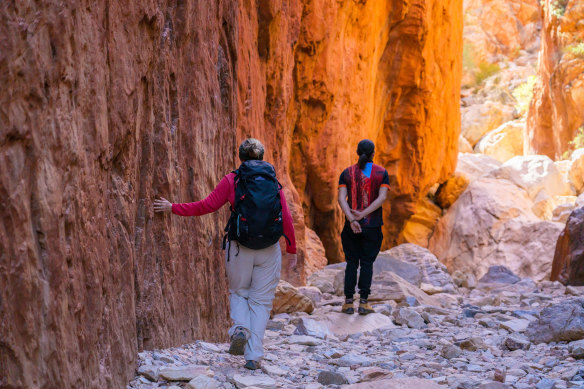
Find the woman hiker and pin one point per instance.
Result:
(363, 188)
(260, 216)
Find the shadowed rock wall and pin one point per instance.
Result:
(103, 107)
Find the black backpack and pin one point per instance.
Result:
(256, 215)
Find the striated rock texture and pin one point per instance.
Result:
(106, 106)
(555, 113)
(102, 108)
(568, 264)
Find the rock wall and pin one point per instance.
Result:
(568, 264)
(556, 113)
(384, 70)
(105, 107)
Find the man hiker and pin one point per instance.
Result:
(259, 217)
(363, 188)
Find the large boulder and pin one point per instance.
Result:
(492, 224)
(576, 173)
(499, 275)
(479, 119)
(331, 279)
(473, 166)
(419, 227)
(568, 263)
(534, 174)
(341, 324)
(288, 299)
(464, 145)
(504, 142)
(388, 286)
(562, 322)
(433, 272)
(408, 271)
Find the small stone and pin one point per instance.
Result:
(577, 349)
(304, 340)
(185, 373)
(431, 289)
(515, 325)
(331, 378)
(209, 347)
(473, 344)
(494, 385)
(203, 382)
(546, 383)
(275, 325)
(500, 375)
(332, 354)
(244, 381)
(409, 317)
(311, 327)
(374, 373)
(353, 360)
(149, 371)
(273, 370)
(450, 351)
(161, 357)
(574, 291)
(313, 385)
(513, 343)
(474, 368)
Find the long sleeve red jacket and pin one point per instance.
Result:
(224, 192)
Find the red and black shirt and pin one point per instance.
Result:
(363, 190)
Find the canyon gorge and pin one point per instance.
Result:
(475, 108)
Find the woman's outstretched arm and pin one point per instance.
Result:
(211, 203)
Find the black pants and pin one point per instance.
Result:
(360, 250)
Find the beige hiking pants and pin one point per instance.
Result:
(253, 277)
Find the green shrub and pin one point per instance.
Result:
(577, 50)
(486, 70)
(558, 8)
(576, 143)
(523, 95)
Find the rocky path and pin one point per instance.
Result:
(503, 333)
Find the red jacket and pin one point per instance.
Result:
(224, 192)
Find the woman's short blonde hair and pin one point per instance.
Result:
(251, 148)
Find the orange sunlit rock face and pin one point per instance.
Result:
(384, 70)
(556, 113)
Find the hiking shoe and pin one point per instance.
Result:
(348, 308)
(252, 365)
(238, 342)
(365, 308)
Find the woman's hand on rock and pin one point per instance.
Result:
(162, 205)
